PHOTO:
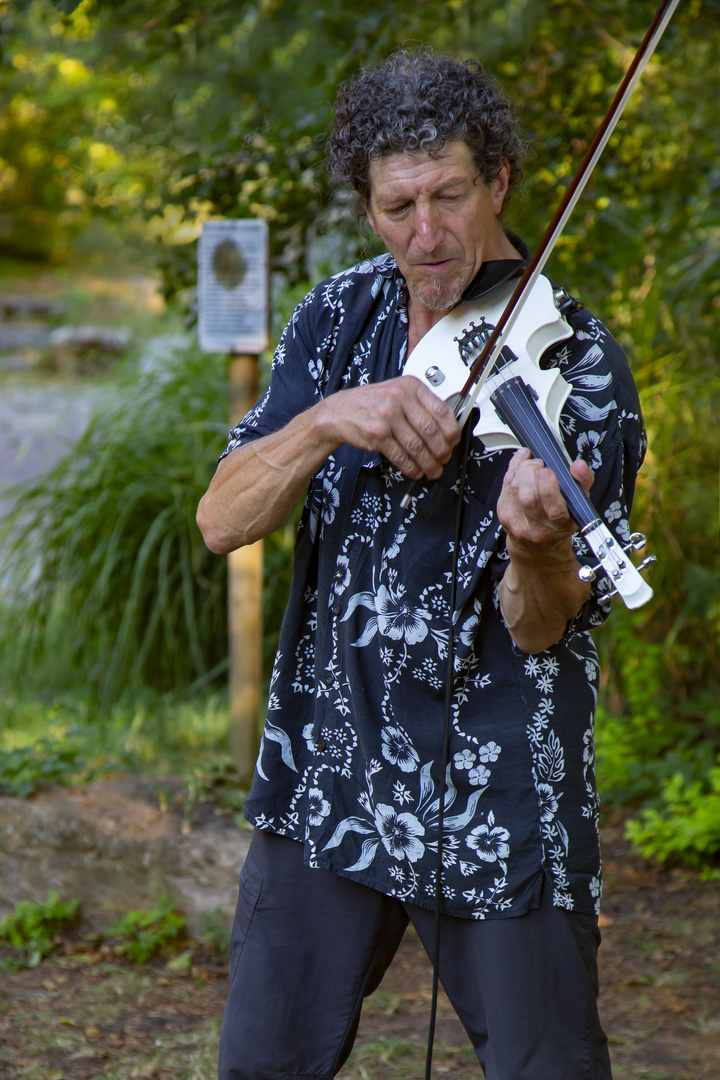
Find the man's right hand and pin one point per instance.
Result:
(400, 418)
(256, 487)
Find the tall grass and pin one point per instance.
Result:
(106, 580)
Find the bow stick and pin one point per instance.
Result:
(485, 362)
(488, 357)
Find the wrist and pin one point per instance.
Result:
(550, 556)
(325, 430)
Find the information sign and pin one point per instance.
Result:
(233, 286)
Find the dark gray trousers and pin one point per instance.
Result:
(307, 946)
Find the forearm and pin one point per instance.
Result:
(540, 592)
(257, 486)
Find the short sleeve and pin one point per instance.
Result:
(293, 383)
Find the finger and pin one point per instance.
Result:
(550, 498)
(427, 458)
(425, 427)
(584, 475)
(515, 463)
(433, 423)
(399, 457)
(437, 409)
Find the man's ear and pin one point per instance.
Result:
(499, 187)
(371, 219)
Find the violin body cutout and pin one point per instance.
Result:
(443, 357)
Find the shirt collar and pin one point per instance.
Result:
(498, 271)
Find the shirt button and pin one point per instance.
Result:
(336, 608)
(321, 745)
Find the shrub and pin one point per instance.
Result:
(687, 826)
(144, 933)
(32, 929)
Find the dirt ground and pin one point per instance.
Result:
(83, 1014)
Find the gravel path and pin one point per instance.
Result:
(38, 424)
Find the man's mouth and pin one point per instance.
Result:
(433, 265)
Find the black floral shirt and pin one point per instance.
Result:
(350, 757)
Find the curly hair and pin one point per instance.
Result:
(419, 99)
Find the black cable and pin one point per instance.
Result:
(449, 684)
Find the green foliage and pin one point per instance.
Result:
(110, 579)
(31, 930)
(687, 825)
(25, 769)
(143, 933)
(217, 931)
(216, 781)
(76, 740)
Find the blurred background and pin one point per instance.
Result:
(124, 126)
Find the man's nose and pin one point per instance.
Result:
(428, 226)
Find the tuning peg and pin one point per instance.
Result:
(649, 561)
(589, 573)
(637, 542)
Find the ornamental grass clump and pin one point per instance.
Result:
(105, 577)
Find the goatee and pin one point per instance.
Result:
(436, 294)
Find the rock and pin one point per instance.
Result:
(33, 336)
(71, 347)
(30, 306)
(80, 339)
(109, 845)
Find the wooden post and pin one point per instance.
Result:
(245, 571)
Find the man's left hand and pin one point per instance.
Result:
(531, 507)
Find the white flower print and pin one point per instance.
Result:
(399, 833)
(316, 368)
(489, 841)
(394, 617)
(614, 511)
(587, 445)
(489, 752)
(479, 776)
(588, 746)
(308, 736)
(547, 802)
(464, 760)
(532, 665)
(401, 794)
(595, 888)
(545, 683)
(341, 579)
(470, 628)
(318, 806)
(623, 530)
(398, 618)
(330, 501)
(398, 750)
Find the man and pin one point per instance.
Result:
(345, 799)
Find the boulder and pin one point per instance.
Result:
(111, 846)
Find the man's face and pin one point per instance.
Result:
(437, 221)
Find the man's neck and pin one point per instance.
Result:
(421, 319)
